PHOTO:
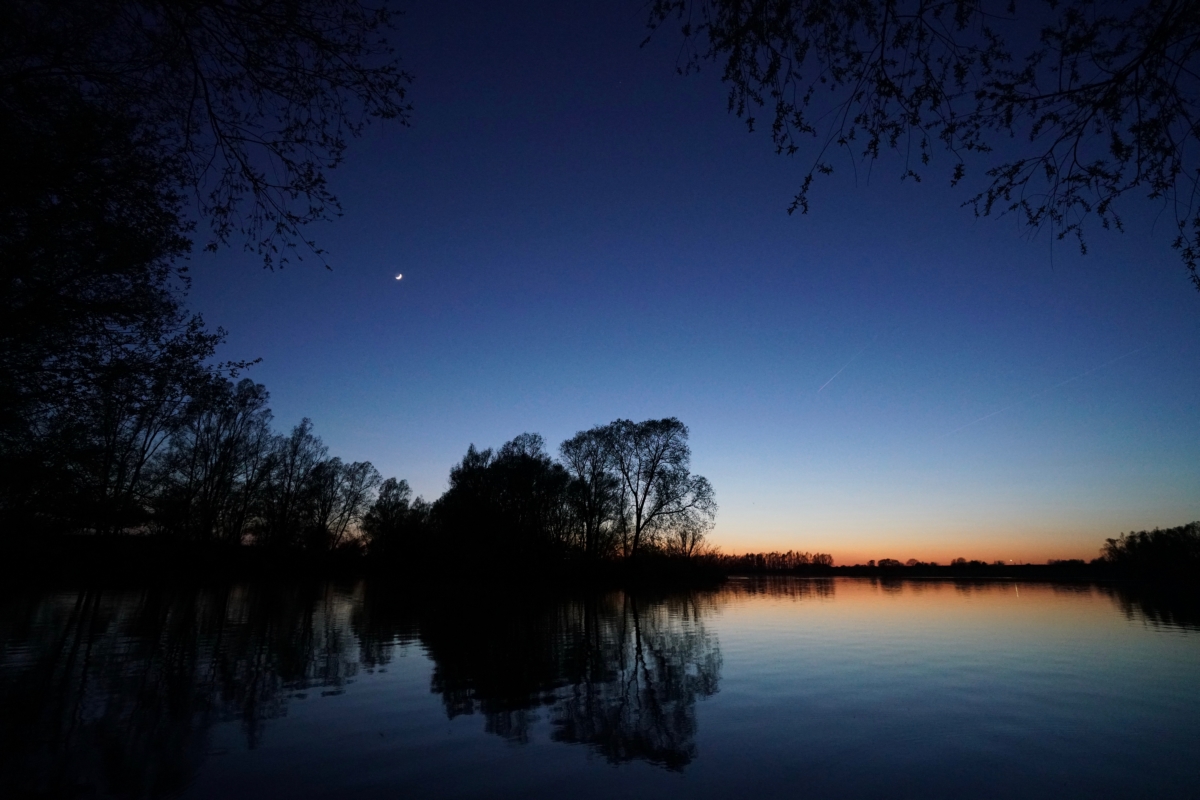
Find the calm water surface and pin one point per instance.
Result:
(764, 688)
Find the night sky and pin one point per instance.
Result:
(586, 235)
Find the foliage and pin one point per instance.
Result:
(1171, 550)
(595, 492)
(622, 489)
(210, 476)
(506, 505)
(245, 104)
(665, 504)
(396, 525)
(121, 121)
(1074, 104)
(341, 494)
(113, 416)
(97, 354)
(791, 561)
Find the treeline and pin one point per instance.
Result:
(208, 468)
(1159, 553)
(1173, 550)
(110, 398)
(616, 491)
(791, 561)
(891, 563)
(117, 418)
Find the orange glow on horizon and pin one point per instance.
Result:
(986, 549)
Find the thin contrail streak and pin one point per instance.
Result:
(1044, 391)
(848, 363)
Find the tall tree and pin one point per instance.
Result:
(96, 351)
(595, 491)
(286, 492)
(215, 464)
(396, 525)
(1074, 104)
(507, 505)
(125, 411)
(340, 495)
(653, 461)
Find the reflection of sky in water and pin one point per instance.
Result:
(765, 688)
(933, 688)
(851, 688)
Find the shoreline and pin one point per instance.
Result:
(139, 560)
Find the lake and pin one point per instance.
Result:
(766, 687)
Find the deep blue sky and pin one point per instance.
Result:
(586, 235)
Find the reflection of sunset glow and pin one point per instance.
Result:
(856, 547)
(879, 605)
(706, 693)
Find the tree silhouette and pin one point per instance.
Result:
(244, 104)
(1170, 550)
(121, 122)
(1074, 105)
(664, 500)
(286, 490)
(96, 351)
(216, 462)
(595, 490)
(341, 496)
(505, 506)
(396, 526)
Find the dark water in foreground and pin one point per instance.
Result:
(768, 688)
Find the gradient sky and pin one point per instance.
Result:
(586, 235)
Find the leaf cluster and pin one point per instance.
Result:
(247, 103)
(1072, 104)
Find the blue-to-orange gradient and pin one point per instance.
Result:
(585, 235)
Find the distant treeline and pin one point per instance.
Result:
(1173, 551)
(791, 561)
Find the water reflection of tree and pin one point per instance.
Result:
(116, 693)
(1161, 605)
(639, 670)
(614, 672)
(779, 586)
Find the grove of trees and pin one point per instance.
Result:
(206, 467)
(791, 561)
(124, 126)
(1160, 550)
(618, 491)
